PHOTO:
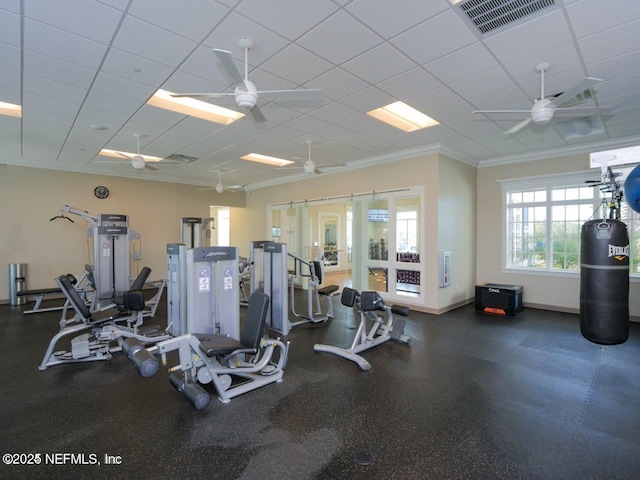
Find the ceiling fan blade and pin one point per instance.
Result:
(202, 95)
(124, 155)
(229, 65)
(583, 111)
(585, 84)
(310, 94)
(149, 167)
(257, 115)
(519, 126)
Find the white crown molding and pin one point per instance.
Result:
(584, 148)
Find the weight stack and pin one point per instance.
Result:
(604, 282)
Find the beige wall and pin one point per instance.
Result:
(29, 197)
(561, 292)
(457, 229)
(456, 194)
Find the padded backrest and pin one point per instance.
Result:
(134, 300)
(369, 301)
(71, 277)
(348, 298)
(141, 279)
(317, 270)
(73, 296)
(255, 320)
(88, 269)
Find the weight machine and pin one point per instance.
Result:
(202, 291)
(195, 232)
(112, 238)
(268, 264)
(234, 367)
(314, 279)
(382, 330)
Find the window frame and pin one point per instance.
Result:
(547, 182)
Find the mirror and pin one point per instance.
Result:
(329, 238)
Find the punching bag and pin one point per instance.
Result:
(604, 282)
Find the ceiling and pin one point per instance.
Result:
(78, 66)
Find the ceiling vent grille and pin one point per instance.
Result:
(491, 15)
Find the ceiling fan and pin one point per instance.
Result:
(544, 109)
(309, 165)
(222, 188)
(138, 161)
(245, 93)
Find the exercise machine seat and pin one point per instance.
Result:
(328, 290)
(134, 301)
(214, 345)
(136, 286)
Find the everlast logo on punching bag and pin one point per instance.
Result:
(620, 253)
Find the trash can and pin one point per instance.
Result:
(17, 283)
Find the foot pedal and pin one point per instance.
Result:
(148, 329)
(398, 329)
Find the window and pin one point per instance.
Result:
(543, 225)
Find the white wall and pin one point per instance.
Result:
(29, 197)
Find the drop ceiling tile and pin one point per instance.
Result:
(112, 103)
(501, 100)
(154, 43)
(462, 63)
(88, 18)
(63, 45)
(592, 16)
(10, 57)
(424, 42)
(118, 4)
(308, 123)
(360, 124)
(204, 63)
(406, 14)
(121, 87)
(483, 83)
(52, 68)
(525, 40)
(11, 5)
(609, 43)
(53, 89)
(36, 101)
(405, 141)
(409, 83)
(173, 16)
(133, 67)
(367, 99)
(10, 80)
(452, 113)
(296, 65)
(336, 83)
(299, 18)
(434, 99)
(622, 65)
(339, 38)
(99, 116)
(227, 35)
(562, 58)
(378, 64)
(10, 28)
(620, 86)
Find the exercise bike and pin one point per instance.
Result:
(366, 305)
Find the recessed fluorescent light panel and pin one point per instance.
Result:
(402, 116)
(194, 108)
(10, 109)
(120, 155)
(256, 157)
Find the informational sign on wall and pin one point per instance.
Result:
(204, 279)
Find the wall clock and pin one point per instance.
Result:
(101, 192)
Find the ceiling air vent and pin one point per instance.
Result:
(491, 15)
